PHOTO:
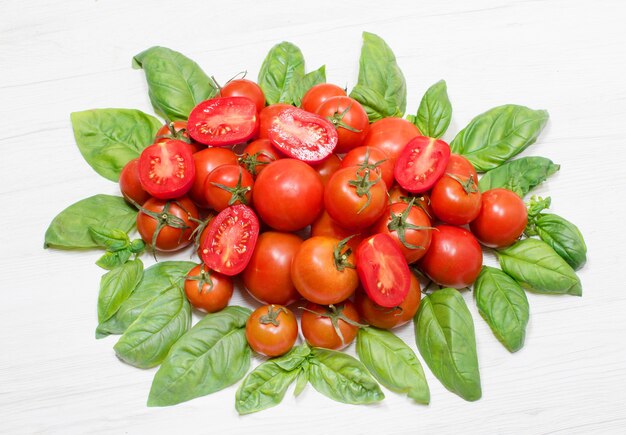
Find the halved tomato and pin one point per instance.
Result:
(230, 240)
(166, 169)
(223, 121)
(383, 271)
(421, 163)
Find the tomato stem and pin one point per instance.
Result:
(334, 314)
(363, 185)
(203, 278)
(400, 225)
(341, 257)
(469, 186)
(238, 192)
(272, 315)
(250, 162)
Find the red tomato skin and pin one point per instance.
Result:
(169, 238)
(206, 297)
(454, 258)
(324, 225)
(452, 204)
(266, 118)
(356, 156)
(244, 88)
(205, 162)
(266, 153)
(501, 220)
(319, 331)
(391, 135)
(327, 167)
(130, 186)
(210, 121)
(227, 175)
(164, 134)
(352, 114)
(166, 169)
(318, 94)
(268, 339)
(421, 163)
(459, 165)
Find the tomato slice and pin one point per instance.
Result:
(223, 121)
(230, 240)
(302, 135)
(421, 163)
(167, 169)
(383, 271)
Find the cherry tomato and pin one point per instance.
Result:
(391, 135)
(177, 130)
(205, 161)
(501, 220)
(323, 270)
(167, 225)
(268, 274)
(228, 185)
(288, 195)
(223, 121)
(166, 169)
(327, 167)
(245, 88)
(257, 155)
(371, 158)
(266, 118)
(325, 226)
(271, 330)
(350, 120)
(230, 240)
(421, 163)
(319, 93)
(459, 165)
(130, 185)
(454, 258)
(302, 135)
(208, 290)
(422, 200)
(383, 271)
(455, 199)
(320, 324)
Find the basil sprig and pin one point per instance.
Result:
(118, 246)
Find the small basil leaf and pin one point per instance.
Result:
(283, 65)
(537, 267)
(111, 260)
(392, 363)
(211, 356)
(381, 87)
(303, 379)
(435, 111)
(564, 237)
(495, 136)
(342, 377)
(444, 332)
(504, 306)
(116, 286)
(111, 239)
(294, 358)
(300, 86)
(70, 228)
(520, 176)
(176, 84)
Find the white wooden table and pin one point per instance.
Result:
(568, 57)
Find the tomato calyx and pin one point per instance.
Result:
(174, 134)
(365, 164)
(400, 225)
(334, 314)
(196, 234)
(251, 161)
(363, 185)
(469, 185)
(237, 192)
(204, 278)
(272, 315)
(336, 119)
(341, 257)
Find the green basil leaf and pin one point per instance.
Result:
(520, 176)
(504, 306)
(267, 384)
(176, 84)
(299, 87)
(116, 286)
(111, 260)
(435, 111)
(302, 379)
(495, 136)
(381, 87)
(111, 239)
(537, 267)
(110, 138)
(70, 228)
(564, 237)
(342, 378)
(211, 356)
(444, 332)
(156, 280)
(148, 339)
(392, 363)
(283, 65)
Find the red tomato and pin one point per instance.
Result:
(383, 271)
(257, 155)
(320, 324)
(421, 163)
(371, 158)
(455, 199)
(325, 226)
(205, 161)
(271, 330)
(355, 198)
(319, 93)
(245, 88)
(323, 271)
(223, 121)
(166, 169)
(177, 130)
(454, 258)
(130, 184)
(266, 118)
(350, 120)
(208, 290)
(422, 200)
(288, 195)
(459, 165)
(327, 167)
(230, 240)
(228, 185)
(268, 274)
(302, 135)
(501, 220)
(391, 135)
(167, 225)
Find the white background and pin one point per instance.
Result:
(568, 57)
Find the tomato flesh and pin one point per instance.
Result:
(167, 169)
(421, 163)
(223, 121)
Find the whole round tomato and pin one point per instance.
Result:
(208, 290)
(391, 135)
(271, 330)
(371, 158)
(267, 276)
(244, 88)
(228, 185)
(455, 199)
(501, 220)
(350, 120)
(327, 167)
(320, 325)
(177, 130)
(266, 118)
(421, 200)
(130, 186)
(454, 258)
(323, 271)
(459, 165)
(288, 195)
(325, 226)
(205, 161)
(257, 155)
(319, 93)
(167, 225)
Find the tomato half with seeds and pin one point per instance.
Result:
(230, 240)
(391, 135)
(167, 225)
(223, 121)
(302, 135)
(271, 330)
(455, 199)
(383, 271)
(208, 290)
(331, 327)
(244, 88)
(501, 220)
(314, 97)
(205, 162)
(130, 186)
(371, 158)
(350, 120)
(166, 169)
(421, 163)
(257, 155)
(228, 185)
(266, 118)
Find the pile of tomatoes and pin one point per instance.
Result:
(314, 203)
